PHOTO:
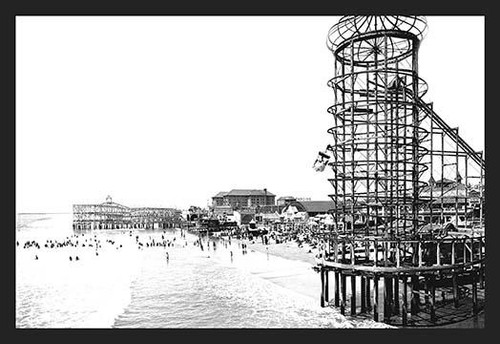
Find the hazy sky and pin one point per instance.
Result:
(168, 111)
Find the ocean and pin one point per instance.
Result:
(122, 284)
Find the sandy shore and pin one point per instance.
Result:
(287, 250)
(303, 280)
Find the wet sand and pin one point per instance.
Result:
(304, 280)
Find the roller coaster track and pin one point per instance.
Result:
(451, 133)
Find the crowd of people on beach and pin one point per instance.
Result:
(301, 235)
(91, 240)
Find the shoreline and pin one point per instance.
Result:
(303, 280)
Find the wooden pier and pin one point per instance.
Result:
(402, 180)
(111, 215)
(405, 282)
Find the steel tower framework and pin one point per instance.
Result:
(388, 143)
(401, 176)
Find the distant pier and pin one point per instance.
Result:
(111, 215)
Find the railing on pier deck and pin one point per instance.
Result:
(399, 255)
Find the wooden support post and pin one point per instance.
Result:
(438, 254)
(342, 293)
(405, 301)
(387, 298)
(398, 255)
(455, 289)
(453, 252)
(375, 298)
(384, 253)
(353, 295)
(474, 293)
(363, 294)
(368, 298)
(419, 254)
(427, 290)
(322, 299)
(481, 270)
(337, 288)
(465, 251)
(353, 255)
(432, 290)
(396, 296)
(471, 249)
(327, 289)
(343, 251)
(414, 300)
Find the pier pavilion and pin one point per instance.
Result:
(111, 215)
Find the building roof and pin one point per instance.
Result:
(248, 192)
(314, 206)
(269, 209)
(221, 194)
(286, 197)
(449, 191)
(317, 206)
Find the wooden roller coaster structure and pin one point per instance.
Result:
(408, 245)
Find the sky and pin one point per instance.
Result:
(167, 111)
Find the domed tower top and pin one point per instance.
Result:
(364, 35)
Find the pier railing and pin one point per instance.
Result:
(378, 254)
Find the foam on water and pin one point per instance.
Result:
(56, 292)
(131, 287)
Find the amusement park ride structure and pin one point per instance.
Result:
(395, 167)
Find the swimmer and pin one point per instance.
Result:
(76, 258)
(36, 257)
(70, 258)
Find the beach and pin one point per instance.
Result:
(239, 283)
(130, 280)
